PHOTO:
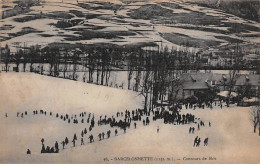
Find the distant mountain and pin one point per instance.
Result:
(247, 9)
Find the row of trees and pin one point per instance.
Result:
(156, 74)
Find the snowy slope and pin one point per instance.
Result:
(230, 136)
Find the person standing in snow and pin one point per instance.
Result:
(195, 141)
(198, 142)
(75, 137)
(103, 135)
(63, 144)
(66, 140)
(82, 141)
(28, 151)
(74, 142)
(42, 140)
(206, 142)
(99, 136)
(56, 146)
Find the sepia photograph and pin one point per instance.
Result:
(130, 82)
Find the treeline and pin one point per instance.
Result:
(156, 74)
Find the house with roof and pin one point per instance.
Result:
(193, 83)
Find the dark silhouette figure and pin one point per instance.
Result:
(206, 142)
(99, 135)
(56, 147)
(91, 138)
(74, 142)
(82, 141)
(43, 149)
(108, 133)
(66, 141)
(195, 141)
(75, 137)
(48, 149)
(28, 151)
(63, 144)
(103, 135)
(198, 142)
(42, 140)
(209, 124)
(82, 133)
(158, 129)
(116, 132)
(135, 125)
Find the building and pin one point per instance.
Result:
(193, 83)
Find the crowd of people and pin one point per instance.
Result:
(123, 121)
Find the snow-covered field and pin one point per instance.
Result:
(47, 33)
(231, 139)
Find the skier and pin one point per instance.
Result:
(135, 125)
(116, 132)
(85, 131)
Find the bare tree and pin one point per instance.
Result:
(6, 57)
(18, 57)
(65, 63)
(233, 75)
(146, 86)
(254, 116)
